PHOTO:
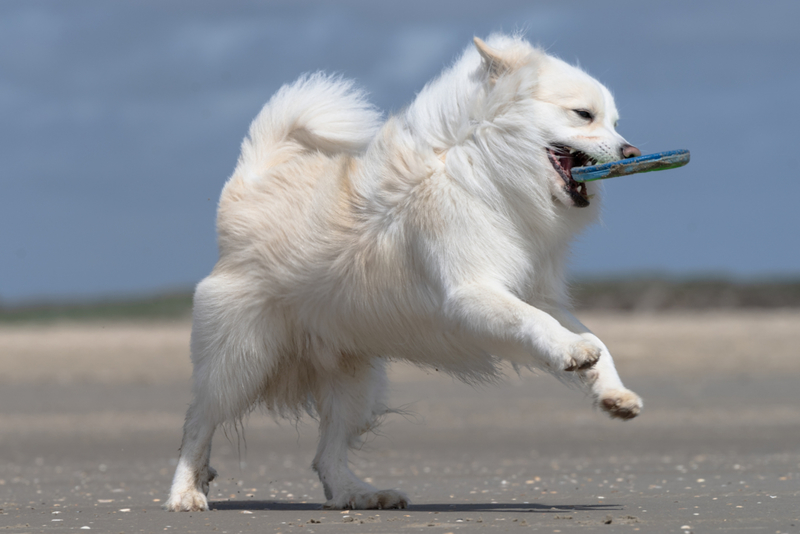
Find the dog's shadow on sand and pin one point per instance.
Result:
(472, 507)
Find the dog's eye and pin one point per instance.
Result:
(584, 114)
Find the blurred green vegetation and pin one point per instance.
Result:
(631, 294)
(659, 293)
(170, 306)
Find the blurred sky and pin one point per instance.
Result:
(121, 120)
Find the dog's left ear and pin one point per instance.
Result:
(494, 62)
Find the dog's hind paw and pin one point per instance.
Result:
(369, 500)
(188, 501)
(582, 355)
(621, 404)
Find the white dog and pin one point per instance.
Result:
(438, 237)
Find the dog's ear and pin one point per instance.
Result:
(494, 62)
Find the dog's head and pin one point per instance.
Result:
(575, 115)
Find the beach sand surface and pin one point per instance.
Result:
(91, 416)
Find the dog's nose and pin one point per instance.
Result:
(630, 151)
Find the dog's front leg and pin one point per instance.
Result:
(506, 326)
(348, 401)
(606, 386)
(510, 328)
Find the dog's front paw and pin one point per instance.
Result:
(368, 500)
(582, 355)
(621, 403)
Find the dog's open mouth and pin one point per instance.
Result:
(564, 159)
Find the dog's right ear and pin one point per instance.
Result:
(494, 62)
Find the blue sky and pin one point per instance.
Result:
(120, 122)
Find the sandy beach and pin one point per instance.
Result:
(91, 415)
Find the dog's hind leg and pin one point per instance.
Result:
(232, 352)
(193, 474)
(348, 402)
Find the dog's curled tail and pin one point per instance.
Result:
(320, 111)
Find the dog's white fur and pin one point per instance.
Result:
(438, 237)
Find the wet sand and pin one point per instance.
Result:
(91, 415)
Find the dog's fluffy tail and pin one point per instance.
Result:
(319, 111)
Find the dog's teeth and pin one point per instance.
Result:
(572, 150)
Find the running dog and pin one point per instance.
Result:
(437, 237)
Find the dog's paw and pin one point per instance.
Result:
(187, 501)
(369, 500)
(621, 403)
(582, 355)
(185, 496)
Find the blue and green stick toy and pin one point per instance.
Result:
(659, 161)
